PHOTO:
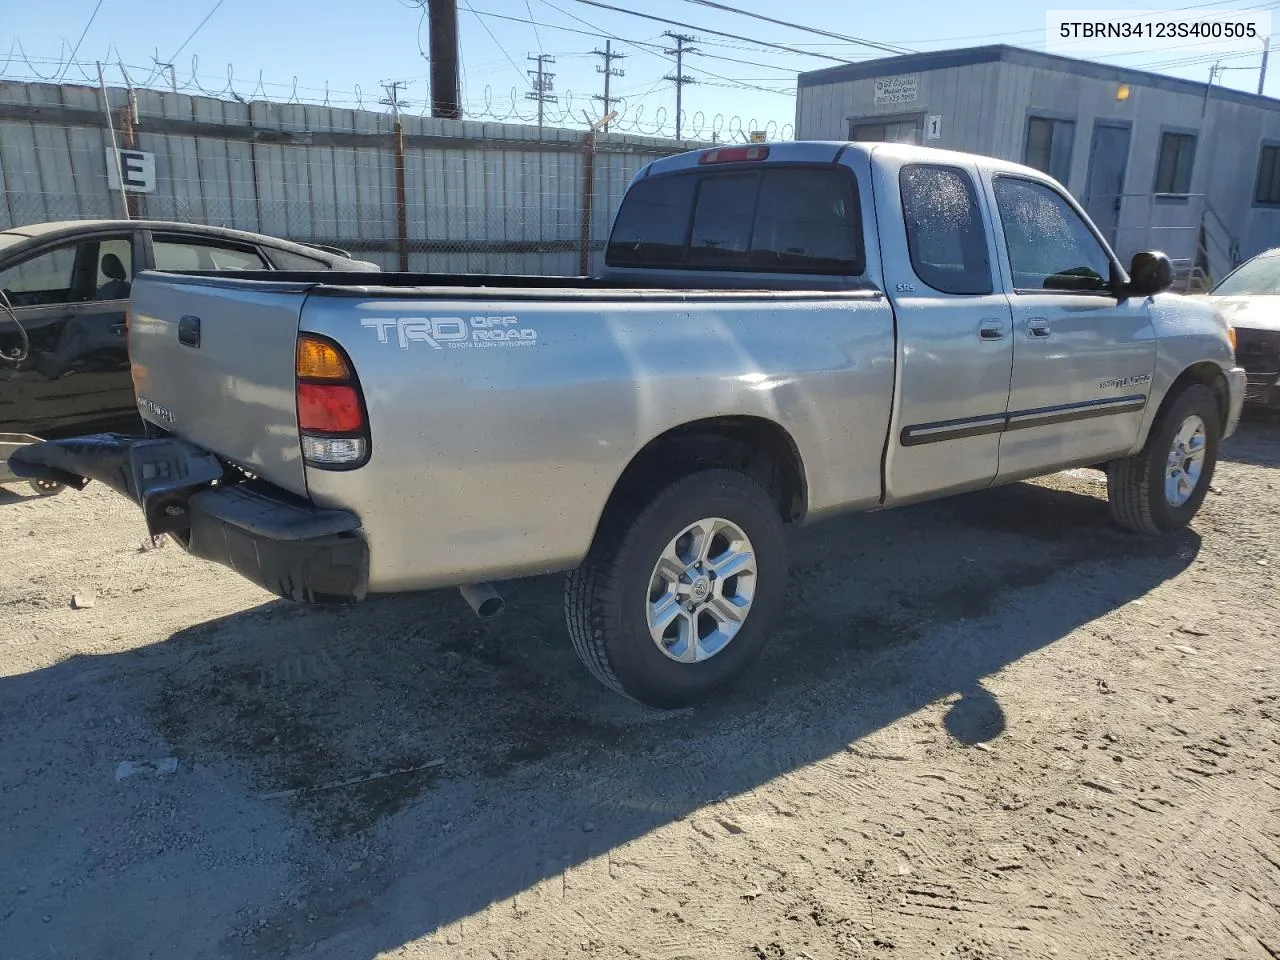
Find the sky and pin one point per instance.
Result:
(346, 49)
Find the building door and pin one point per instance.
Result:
(1108, 161)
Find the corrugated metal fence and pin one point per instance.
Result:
(475, 197)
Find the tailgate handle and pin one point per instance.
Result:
(189, 331)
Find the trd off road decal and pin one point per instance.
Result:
(455, 333)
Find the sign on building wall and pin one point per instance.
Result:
(933, 127)
(137, 168)
(893, 90)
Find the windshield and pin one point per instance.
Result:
(1258, 277)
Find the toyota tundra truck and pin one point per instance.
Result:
(782, 333)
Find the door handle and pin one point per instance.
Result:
(991, 330)
(1038, 329)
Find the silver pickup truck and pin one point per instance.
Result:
(783, 333)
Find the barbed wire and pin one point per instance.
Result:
(633, 116)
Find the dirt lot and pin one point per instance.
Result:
(993, 727)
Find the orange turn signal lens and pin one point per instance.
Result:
(1231, 336)
(319, 360)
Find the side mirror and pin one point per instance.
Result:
(1149, 273)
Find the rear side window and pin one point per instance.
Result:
(779, 219)
(945, 233)
(652, 225)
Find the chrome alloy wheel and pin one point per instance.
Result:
(701, 590)
(1186, 462)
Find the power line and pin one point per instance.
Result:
(537, 39)
(514, 65)
(76, 48)
(199, 26)
(718, 33)
(858, 41)
(641, 45)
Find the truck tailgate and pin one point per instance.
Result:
(213, 362)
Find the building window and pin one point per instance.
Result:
(1268, 190)
(1173, 169)
(1049, 144)
(894, 131)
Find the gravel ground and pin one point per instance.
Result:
(993, 727)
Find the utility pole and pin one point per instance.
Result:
(608, 56)
(1262, 74)
(160, 64)
(1216, 69)
(543, 90)
(679, 79)
(392, 99)
(442, 24)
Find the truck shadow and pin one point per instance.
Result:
(428, 766)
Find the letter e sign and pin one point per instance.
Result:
(933, 127)
(137, 168)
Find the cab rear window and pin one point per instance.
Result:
(799, 219)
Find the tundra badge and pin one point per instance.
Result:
(156, 410)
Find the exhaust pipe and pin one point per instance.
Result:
(483, 599)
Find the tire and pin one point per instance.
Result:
(1136, 486)
(609, 599)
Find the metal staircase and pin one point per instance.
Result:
(1189, 230)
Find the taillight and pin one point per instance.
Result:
(328, 408)
(734, 154)
(333, 425)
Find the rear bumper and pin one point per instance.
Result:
(291, 548)
(297, 552)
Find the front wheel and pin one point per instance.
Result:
(677, 599)
(1160, 488)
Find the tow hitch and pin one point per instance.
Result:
(294, 549)
(159, 475)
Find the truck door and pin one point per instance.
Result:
(955, 349)
(1082, 359)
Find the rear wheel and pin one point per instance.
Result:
(1161, 488)
(676, 599)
